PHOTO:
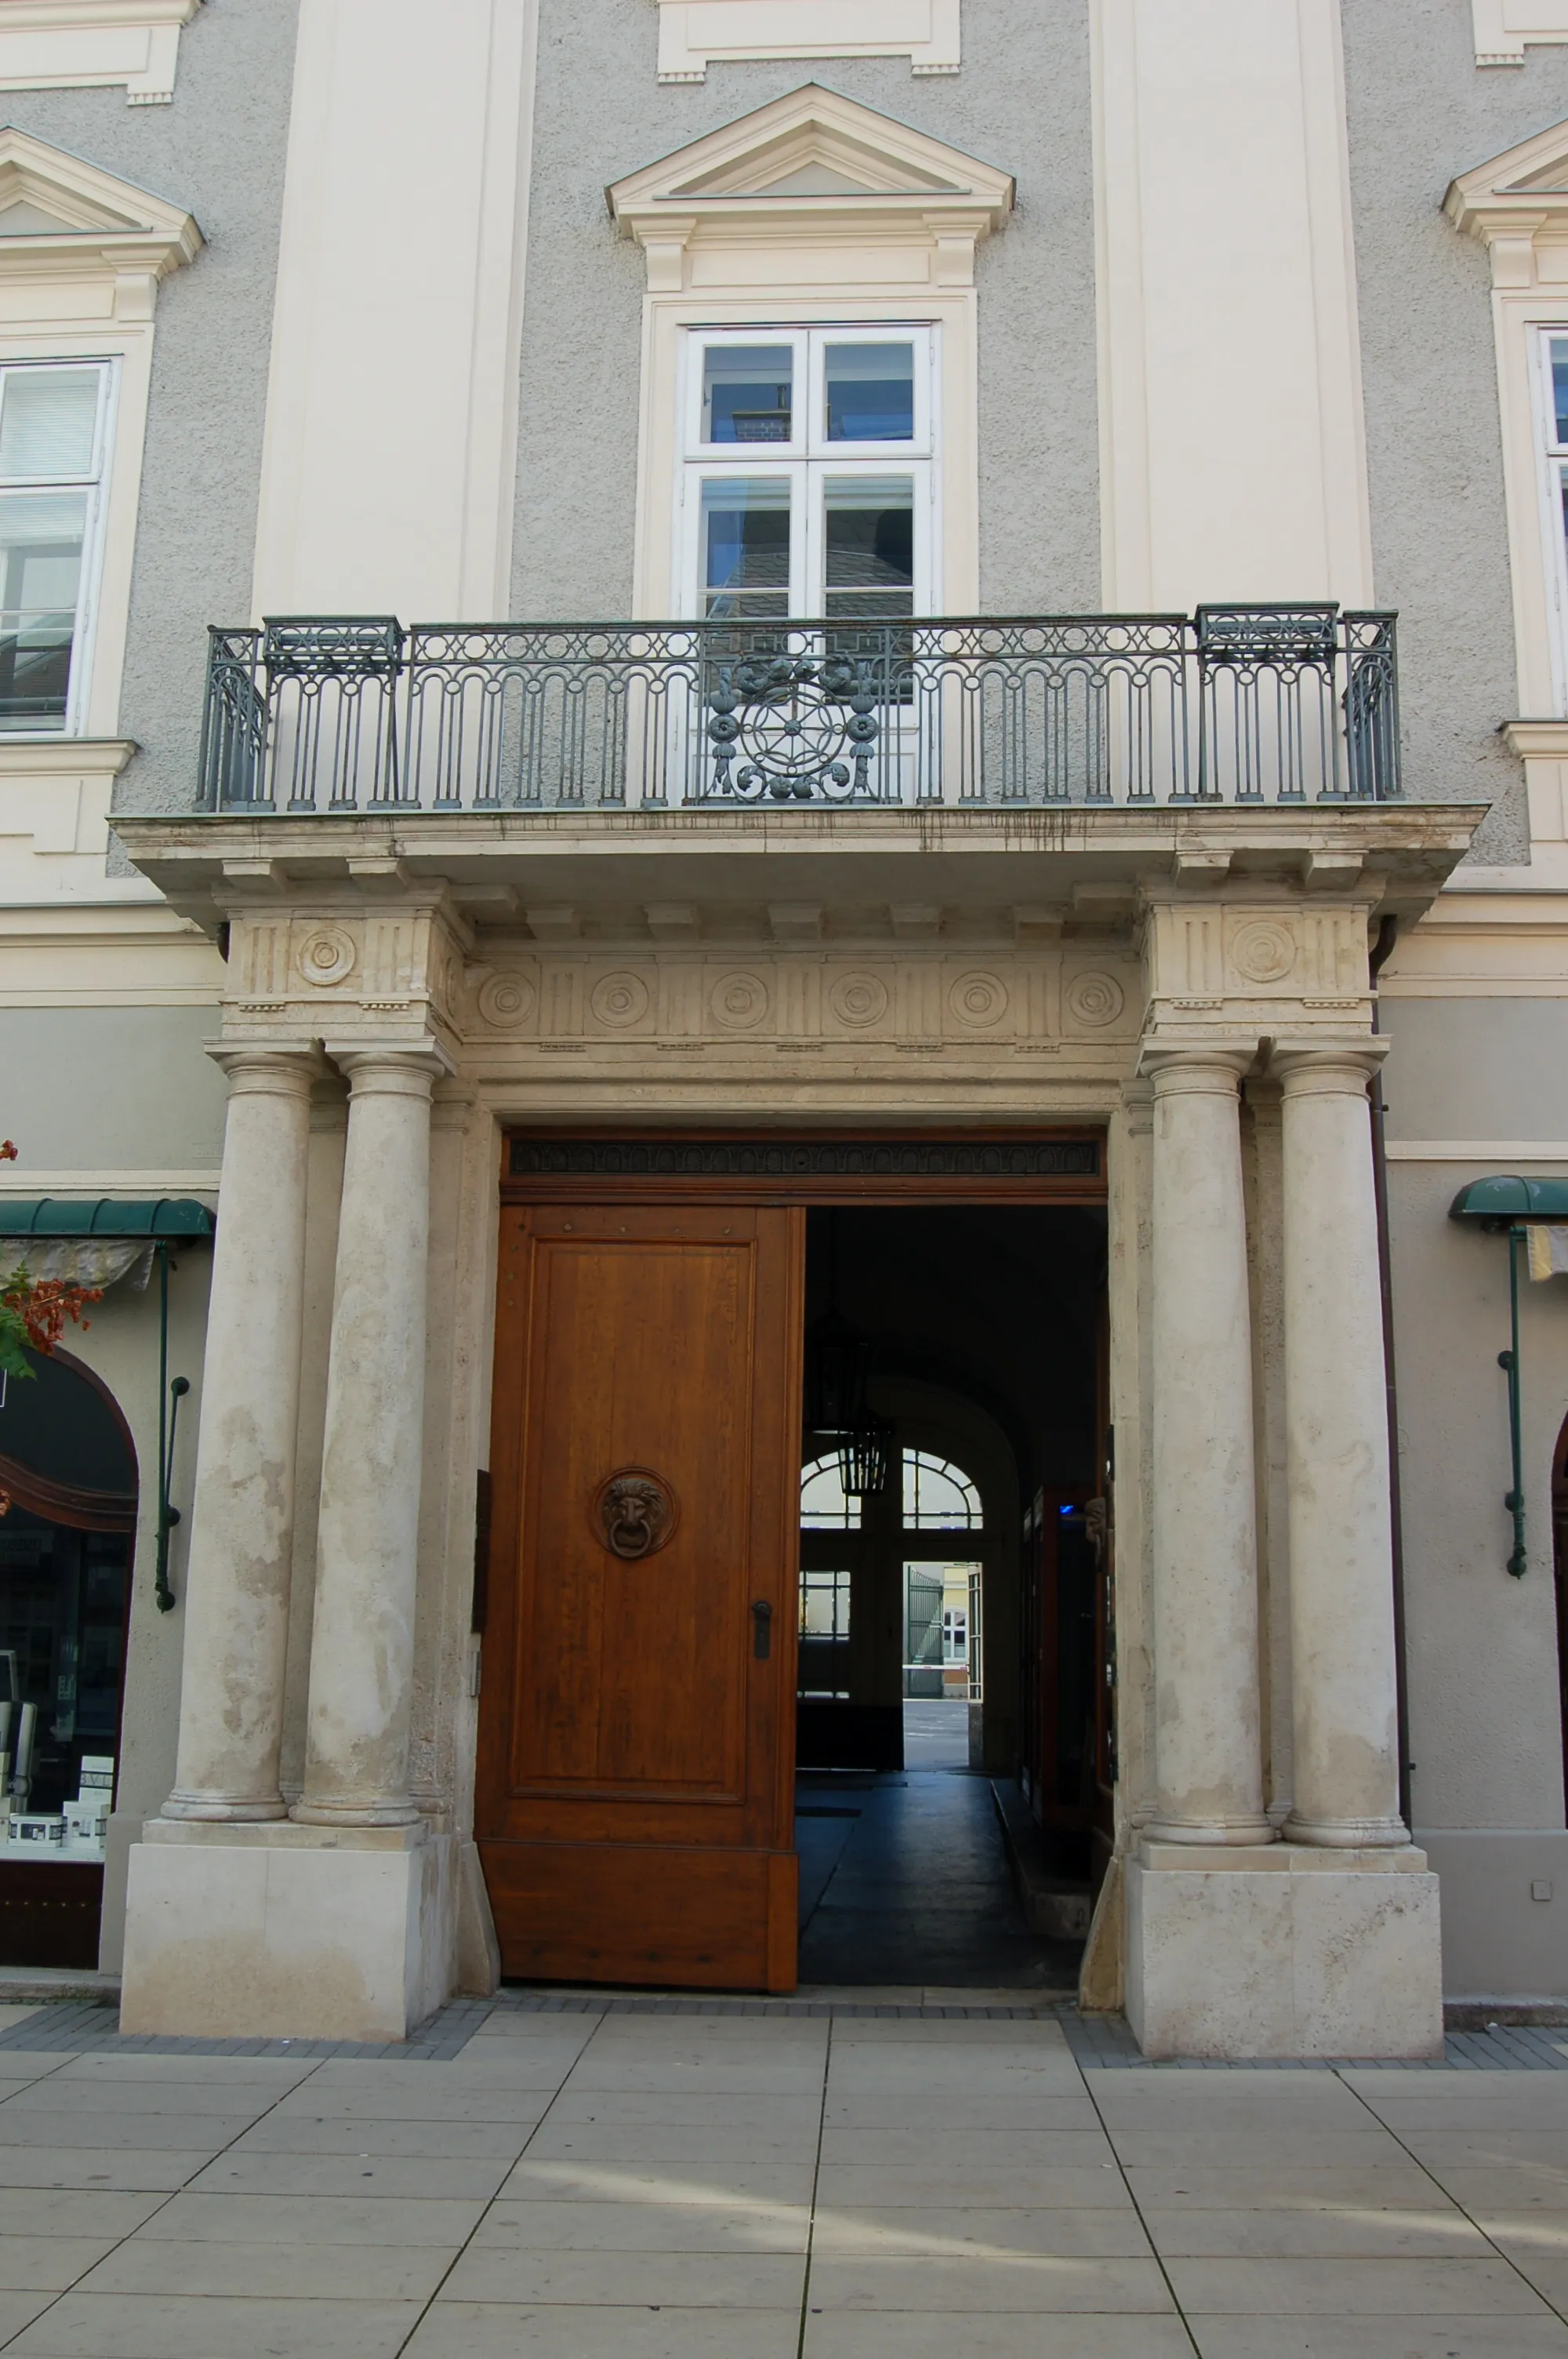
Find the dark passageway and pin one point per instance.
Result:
(904, 1881)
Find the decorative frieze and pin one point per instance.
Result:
(982, 1001)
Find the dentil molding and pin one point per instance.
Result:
(1505, 27)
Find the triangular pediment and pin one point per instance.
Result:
(813, 151)
(1522, 180)
(47, 193)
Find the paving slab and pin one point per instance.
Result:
(654, 2280)
(1041, 2284)
(253, 2268)
(645, 2227)
(997, 2234)
(342, 2174)
(1325, 2234)
(1328, 2337)
(1484, 2287)
(445, 2222)
(148, 2326)
(475, 2330)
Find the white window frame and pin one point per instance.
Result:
(1552, 479)
(726, 245)
(96, 483)
(808, 461)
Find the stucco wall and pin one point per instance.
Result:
(1482, 1648)
(218, 149)
(107, 1088)
(1022, 101)
(1476, 1068)
(1420, 112)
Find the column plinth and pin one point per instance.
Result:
(361, 1647)
(1343, 1704)
(1207, 1744)
(237, 1577)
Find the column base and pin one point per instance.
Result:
(281, 1931)
(1228, 1833)
(215, 1809)
(1347, 1834)
(401, 1814)
(1284, 1951)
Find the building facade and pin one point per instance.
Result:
(676, 672)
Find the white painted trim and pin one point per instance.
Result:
(695, 34)
(1516, 205)
(94, 44)
(14, 1182)
(389, 458)
(721, 253)
(1476, 1151)
(1502, 27)
(88, 293)
(1222, 349)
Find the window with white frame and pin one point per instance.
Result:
(808, 476)
(54, 436)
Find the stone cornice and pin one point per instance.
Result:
(1095, 866)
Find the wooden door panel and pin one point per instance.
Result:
(635, 1775)
(608, 1644)
(707, 1919)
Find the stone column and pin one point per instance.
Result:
(241, 1534)
(1341, 1612)
(361, 1647)
(1208, 1761)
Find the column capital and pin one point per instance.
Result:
(1214, 1069)
(268, 1068)
(1327, 1069)
(391, 1068)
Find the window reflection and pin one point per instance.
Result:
(871, 393)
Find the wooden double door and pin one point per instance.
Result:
(636, 1778)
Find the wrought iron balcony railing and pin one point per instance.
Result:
(1236, 704)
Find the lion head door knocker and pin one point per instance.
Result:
(634, 1512)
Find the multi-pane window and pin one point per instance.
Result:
(53, 439)
(807, 474)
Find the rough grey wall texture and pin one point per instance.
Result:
(1476, 1068)
(140, 1093)
(218, 150)
(1021, 102)
(1420, 112)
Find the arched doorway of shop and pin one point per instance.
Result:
(1559, 1567)
(795, 1455)
(68, 1470)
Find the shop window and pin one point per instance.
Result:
(66, 1541)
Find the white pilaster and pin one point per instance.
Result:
(390, 453)
(1341, 1616)
(1228, 309)
(236, 1590)
(1208, 1759)
(362, 1650)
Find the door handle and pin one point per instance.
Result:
(762, 1629)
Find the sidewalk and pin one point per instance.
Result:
(719, 2185)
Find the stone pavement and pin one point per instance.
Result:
(584, 2179)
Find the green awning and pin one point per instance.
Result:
(1506, 1197)
(104, 1216)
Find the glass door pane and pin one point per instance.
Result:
(746, 547)
(867, 548)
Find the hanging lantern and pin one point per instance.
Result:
(865, 1459)
(835, 1375)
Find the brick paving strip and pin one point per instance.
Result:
(576, 2174)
